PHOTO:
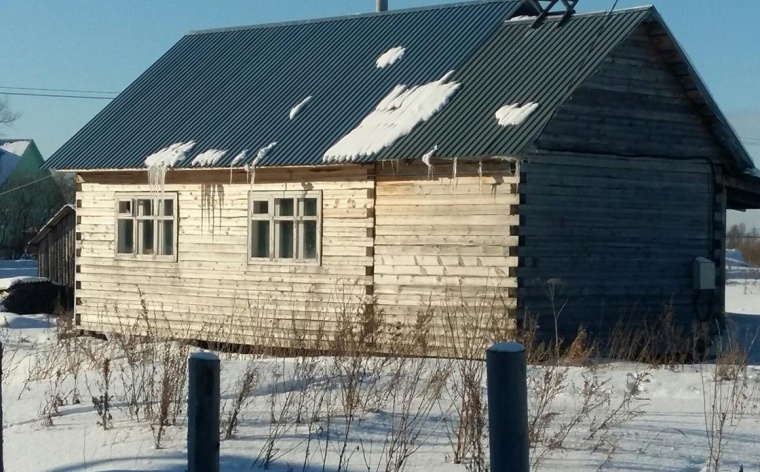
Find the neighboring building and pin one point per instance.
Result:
(263, 176)
(28, 195)
(55, 248)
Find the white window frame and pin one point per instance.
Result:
(297, 218)
(157, 218)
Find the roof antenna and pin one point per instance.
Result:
(546, 6)
(382, 5)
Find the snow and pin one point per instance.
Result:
(668, 436)
(161, 161)
(14, 321)
(394, 117)
(22, 267)
(513, 115)
(296, 109)
(389, 57)
(17, 271)
(208, 158)
(240, 156)
(204, 356)
(263, 153)
(15, 147)
(9, 282)
(521, 18)
(426, 160)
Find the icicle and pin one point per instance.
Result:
(259, 156)
(240, 156)
(159, 163)
(426, 160)
(248, 174)
(480, 176)
(454, 172)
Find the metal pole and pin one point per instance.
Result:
(203, 413)
(382, 5)
(508, 407)
(2, 462)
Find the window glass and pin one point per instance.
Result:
(309, 239)
(125, 207)
(310, 207)
(167, 238)
(285, 239)
(126, 237)
(261, 207)
(145, 229)
(168, 206)
(260, 238)
(284, 206)
(144, 207)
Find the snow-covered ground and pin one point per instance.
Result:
(675, 407)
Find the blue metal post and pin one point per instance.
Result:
(508, 407)
(203, 413)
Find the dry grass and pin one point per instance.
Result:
(379, 365)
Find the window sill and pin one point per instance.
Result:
(285, 262)
(143, 258)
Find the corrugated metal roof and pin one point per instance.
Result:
(232, 89)
(517, 66)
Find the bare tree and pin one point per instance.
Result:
(6, 115)
(67, 183)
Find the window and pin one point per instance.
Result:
(146, 225)
(285, 226)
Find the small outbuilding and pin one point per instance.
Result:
(55, 248)
(452, 160)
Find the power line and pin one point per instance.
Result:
(50, 95)
(56, 90)
(26, 185)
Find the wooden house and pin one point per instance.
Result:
(566, 166)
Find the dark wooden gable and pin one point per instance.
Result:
(619, 197)
(633, 105)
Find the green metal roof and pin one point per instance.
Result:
(232, 89)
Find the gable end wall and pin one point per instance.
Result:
(618, 199)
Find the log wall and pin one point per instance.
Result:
(212, 286)
(446, 243)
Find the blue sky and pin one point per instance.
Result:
(104, 45)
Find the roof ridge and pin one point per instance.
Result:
(559, 16)
(330, 19)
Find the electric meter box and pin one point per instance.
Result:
(704, 274)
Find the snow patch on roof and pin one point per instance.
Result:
(240, 156)
(7, 283)
(521, 18)
(15, 147)
(208, 158)
(513, 115)
(394, 117)
(169, 156)
(263, 153)
(389, 57)
(426, 157)
(296, 109)
(159, 162)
